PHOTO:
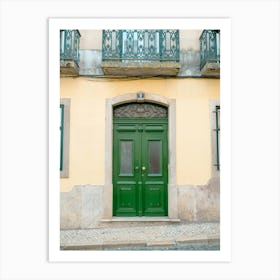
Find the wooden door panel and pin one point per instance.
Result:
(125, 189)
(154, 199)
(126, 198)
(140, 167)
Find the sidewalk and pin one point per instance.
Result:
(160, 236)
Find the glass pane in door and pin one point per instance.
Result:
(126, 158)
(154, 157)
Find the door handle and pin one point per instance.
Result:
(143, 168)
(136, 167)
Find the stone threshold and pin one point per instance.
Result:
(140, 219)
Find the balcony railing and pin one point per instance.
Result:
(69, 52)
(69, 45)
(140, 45)
(209, 47)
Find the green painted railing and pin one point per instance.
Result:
(209, 47)
(69, 45)
(140, 45)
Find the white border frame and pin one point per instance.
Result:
(55, 254)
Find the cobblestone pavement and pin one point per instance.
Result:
(172, 236)
(186, 247)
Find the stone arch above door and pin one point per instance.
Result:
(140, 97)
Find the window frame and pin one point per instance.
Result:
(64, 137)
(214, 108)
(61, 135)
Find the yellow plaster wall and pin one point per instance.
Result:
(87, 125)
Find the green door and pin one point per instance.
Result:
(140, 164)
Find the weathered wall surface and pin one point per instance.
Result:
(91, 53)
(90, 64)
(200, 203)
(82, 207)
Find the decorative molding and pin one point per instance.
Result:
(140, 110)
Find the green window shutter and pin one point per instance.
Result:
(61, 135)
(217, 114)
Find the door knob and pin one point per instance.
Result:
(136, 167)
(143, 168)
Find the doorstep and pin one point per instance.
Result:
(141, 219)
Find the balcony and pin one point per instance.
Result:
(210, 53)
(140, 52)
(69, 52)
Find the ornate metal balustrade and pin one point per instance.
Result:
(69, 45)
(69, 52)
(140, 45)
(210, 50)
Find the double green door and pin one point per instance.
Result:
(140, 164)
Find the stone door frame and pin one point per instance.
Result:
(172, 183)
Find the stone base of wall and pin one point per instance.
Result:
(82, 208)
(200, 203)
